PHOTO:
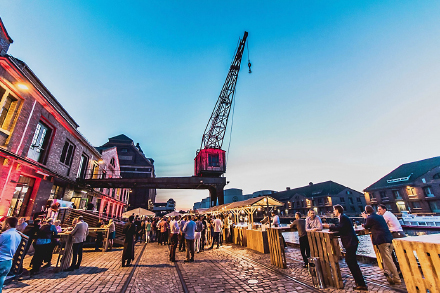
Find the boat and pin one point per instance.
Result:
(414, 221)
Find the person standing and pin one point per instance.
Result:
(350, 242)
(203, 235)
(147, 231)
(382, 238)
(9, 242)
(129, 231)
(99, 236)
(275, 220)
(174, 231)
(137, 222)
(217, 223)
(198, 234)
(79, 234)
(313, 222)
(300, 225)
(163, 231)
(43, 246)
(21, 224)
(392, 222)
(182, 234)
(111, 233)
(189, 229)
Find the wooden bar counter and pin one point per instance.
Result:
(239, 235)
(257, 240)
(419, 260)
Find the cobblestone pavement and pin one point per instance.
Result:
(99, 272)
(228, 269)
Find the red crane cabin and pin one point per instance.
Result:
(210, 163)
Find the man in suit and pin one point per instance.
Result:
(79, 234)
(129, 232)
(350, 242)
(382, 238)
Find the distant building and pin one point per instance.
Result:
(412, 186)
(163, 208)
(134, 164)
(321, 197)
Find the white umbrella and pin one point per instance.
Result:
(173, 214)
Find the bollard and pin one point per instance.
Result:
(316, 272)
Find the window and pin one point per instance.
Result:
(342, 199)
(319, 200)
(396, 194)
(358, 199)
(350, 200)
(8, 109)
(416, 205)
(383, 194)
(83, 164)
(57, 192)
(427, 191)
(213, 160)
(40, 143)
(372, 197)
(112, 162)
(348, 192)
(124, 150)
(411, 191)
(352, 208)
(67, 153)
(435, 206)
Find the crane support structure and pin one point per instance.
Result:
(210, 159)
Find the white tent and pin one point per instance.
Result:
(173, 214)
(138, 212)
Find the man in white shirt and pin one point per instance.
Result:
(217, 230)
(9, 242)
(392, 221)
(174, 230)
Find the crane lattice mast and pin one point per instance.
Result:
(216, 128)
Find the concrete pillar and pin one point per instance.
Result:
(113, 209)
(108, 208)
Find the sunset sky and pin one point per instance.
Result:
(340, 90)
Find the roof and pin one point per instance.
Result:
(311, 190)
(2, 27)
(405, 174)
(260, 201)
(120, 137)
(103, 148)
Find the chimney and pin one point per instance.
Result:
(5, 39)
(287, 188)
(310, 183)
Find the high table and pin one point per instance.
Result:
(419, 260)
(65, 255)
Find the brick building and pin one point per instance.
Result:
(42, 153)
(321, 197)
(413, 186)
(134, 164)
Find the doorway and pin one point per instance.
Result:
(20, 199)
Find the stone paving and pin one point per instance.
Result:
(228, 269)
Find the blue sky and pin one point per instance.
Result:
(340, 90)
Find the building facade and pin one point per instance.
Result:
(42, 153)
(163, 208)
(320, 197)
(134, 164)
(413, 187)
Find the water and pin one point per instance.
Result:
(365, 245)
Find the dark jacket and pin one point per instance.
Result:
(346, 231)
(380, 233)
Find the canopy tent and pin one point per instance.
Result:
(173, 214)
(248, 206)
(138, 212)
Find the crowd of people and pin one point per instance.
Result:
(194, 234)
(190, 233)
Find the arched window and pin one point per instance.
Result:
(112, 162)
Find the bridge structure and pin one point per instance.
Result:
(215, 185)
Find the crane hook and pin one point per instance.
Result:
(249, 65)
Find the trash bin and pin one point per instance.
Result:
(316, 272)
